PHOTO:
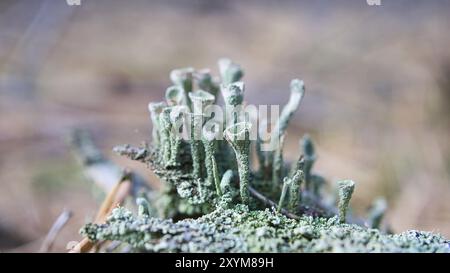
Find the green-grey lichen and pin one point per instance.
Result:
(294, 193)
(210, 144)
(212, 200)
(310, 158)
(175, 95)
(297, 93)
(230, 72)
(206, 82)
(286, 185)
(239, 229)
(238, 137)
(155, 108)
(345, 189)
(376, 213)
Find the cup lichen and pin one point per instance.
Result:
(217, 203)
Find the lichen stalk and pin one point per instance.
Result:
(277, 165)
(165, 135)
(286, 185)
(345, 191)
(210, 149)
(183, 78)
(297, 89)
(175, 96)
(206, 82)
(144, 209)
(195, 144)
(240, 142)
(229, 72)
(376, 213)
(155, 108)
(216, 176)
(176, 138)
(200, 99)
(294, 190)
(309, 157)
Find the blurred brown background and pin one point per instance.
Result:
(377, 102)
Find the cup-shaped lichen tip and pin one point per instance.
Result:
(143, 207)
(230, 72)
(376, 213)
(297, 86)
(233, 93)
(238, 131)
(201, 99)
(308, 147)
(174, 95)
(182, 77)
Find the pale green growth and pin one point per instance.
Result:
(227, 192)
(376, 213)
(196, 123)
(238, 137)
(166, 126)
(216, 176)
(183, 77)
(218, 221)
(316, 184)
(286, 184)
(225, 183)
(210, 150)
(229, 71)
(233, 93)
(265, 159)
(144, 209)
(238, 229)
(155, 108)
(210, 142)
(200, 100)
(309, 157)
(175, 96)
(176, 119)
(261, 155)
(297, 93)
(206, 82)
(278, 164)
(345, 191)
(297, 89)
(294, 192)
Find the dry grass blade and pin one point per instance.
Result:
(60, 222)
(114, 198)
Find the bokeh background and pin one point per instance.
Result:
(377, 102)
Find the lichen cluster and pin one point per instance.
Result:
(216, 199)
(239, 229)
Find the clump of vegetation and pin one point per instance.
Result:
(215, 199)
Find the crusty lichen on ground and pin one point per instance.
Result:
(239, 229)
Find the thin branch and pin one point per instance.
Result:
(114, 198)
(57, 226)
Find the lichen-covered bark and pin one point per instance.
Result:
(239, 229)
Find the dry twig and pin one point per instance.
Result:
(57, 226)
